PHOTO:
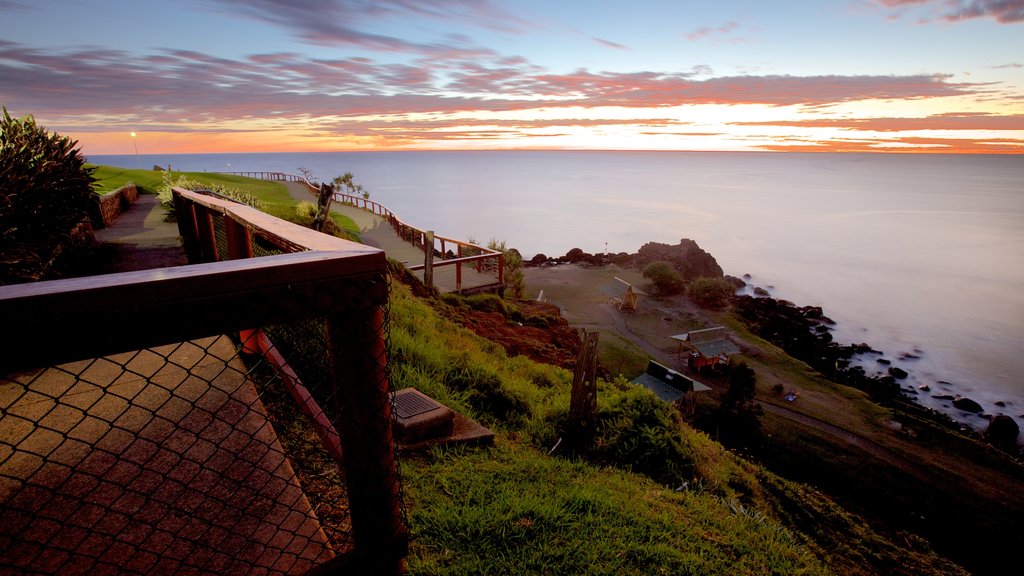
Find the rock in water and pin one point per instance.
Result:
(899, 373)
(1002, 431)
(967, 404)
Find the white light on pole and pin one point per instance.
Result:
(136, 145)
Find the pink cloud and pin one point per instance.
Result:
(706, 31)
(341, 22)
(989, 122)
(1002, 11)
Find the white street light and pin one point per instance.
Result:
(136, 145)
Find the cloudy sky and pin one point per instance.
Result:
(318, 75)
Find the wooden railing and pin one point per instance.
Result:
(445, 251)
(273, 176)
(318, 278)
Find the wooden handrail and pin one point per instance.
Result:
(415, 235)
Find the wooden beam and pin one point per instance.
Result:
(63, 320)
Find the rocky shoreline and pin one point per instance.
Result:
(805, 333)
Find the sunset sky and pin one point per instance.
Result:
(197, 76)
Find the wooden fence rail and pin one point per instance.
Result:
(446, 251)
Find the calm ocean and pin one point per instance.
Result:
(919, 254)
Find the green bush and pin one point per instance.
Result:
(711, 292)
(515, 277)
(639, 431)
(665, 278)
(183, 181)
(487, 303)
(46, 190)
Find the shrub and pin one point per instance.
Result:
(305, 209)
(515, 278)
(738, 415)
(47, 190)
(182, 181)
(711, 292)
(665, 279)
(487, 303)
(641, 432)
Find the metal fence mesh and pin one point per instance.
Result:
(160, 460)
(259, 452)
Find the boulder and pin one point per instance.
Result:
(883, 361)
(966, 404)
(896, 372)
(812, 311)
(1002, 430)
(758, 291)
(736, 282)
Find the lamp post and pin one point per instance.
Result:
(136, 145)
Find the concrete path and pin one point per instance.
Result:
(140, 239)
(377, 232)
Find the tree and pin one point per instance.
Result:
(345, 181)
(45, 191)
(738, 415)
(665, 279)
(711, 292)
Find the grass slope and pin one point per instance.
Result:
(652, 496)
(276, 199)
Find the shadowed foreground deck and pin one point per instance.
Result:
(155, 461)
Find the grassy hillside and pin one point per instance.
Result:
(652, 496)
(275, 197)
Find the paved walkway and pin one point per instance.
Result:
(377, 232)
(140, 239)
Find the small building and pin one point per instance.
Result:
(707, 347)
(671, 386)
(622, 293)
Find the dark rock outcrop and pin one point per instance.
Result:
(1002, 431)
(966, 404)
(687, 257)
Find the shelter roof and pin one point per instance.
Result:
(618, 288)
(709, 342)
(666, 383)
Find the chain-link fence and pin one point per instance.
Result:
(229, 418)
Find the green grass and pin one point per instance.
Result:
(511, 510)
(275, 197)
(620, 508)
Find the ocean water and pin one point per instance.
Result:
(913, 254)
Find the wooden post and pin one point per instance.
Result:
(583, 400)
(458, 272)
(428, 258)
(358, 361)
(239, 240)
(207, 233)
(187, 227)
